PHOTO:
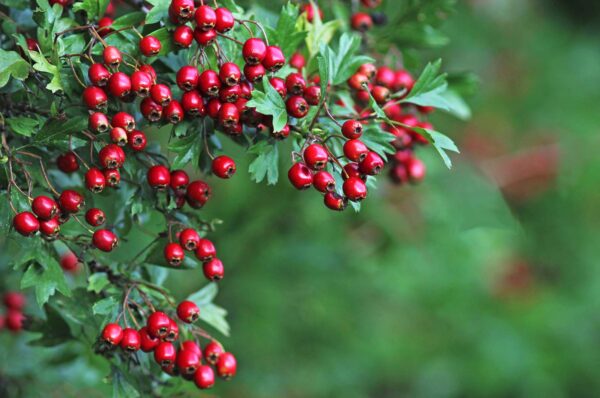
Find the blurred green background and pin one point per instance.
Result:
(481, 282)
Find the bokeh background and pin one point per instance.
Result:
(483, 281)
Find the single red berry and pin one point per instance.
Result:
(416, 170)
(95, 217)
(213, 107)
(355, 150)
(70, 201)
(181, 10)
(119, 85)
(165, 354)
(229, 115)
(205, 38)
(69, 262)
(381, 94)
(254, 51)
(403, 80)
(372, 164)
(189, 239)
(105, 240)
(193, 104)
(357, 81)
(147, 342)
(246, 90)
(197, 194)
(209, 83)
(150, 71)
(274, 59)
(111, 156)
(183, 36)
(230, 74)
(98, 75)
(279, 86)
(98, 122)
(161, 94)
(309, 10)
(190, 345)
(174, 112)
(205, 250)
(226, 365)
(158, 176)
(151, 110)
(104, 25)
(361, 21)
(206, 17)
(316, 156)
(131, 341)
(50, 228)
(187, 77)
(204, 377)
(300, 176)
(188, 311)
(14, 300)
(44, 207)
(150, 46)
(158, 324)
(173, 332)
(187, 362)
(254, 73)
(355, 189)
(225, 20)
(229, 94)
(297, 61)
(32, 44)
(137, 140)
(295, 83)
(123, 120)
(174, 254)
(179, 180)
(95, 98)
(213, 270)
(297, 106)
(352, 129)
(212, 351)
(94, 180)
(312, 95)
(323, 181)
(369, 70)
(14, 320)
(112, 334)
(118, 136)
(385, 76)
(335, 201)
(112, 56)
(223, 166)
(112, 177)
(141, 82)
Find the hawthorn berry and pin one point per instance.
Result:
(112, 334)
(355, 150)
(123, 120)
(173, 332)
(223, 166)
(98, 122)
(151, 110)
(174, 254)
(149, 69)
(316, 156)
(297, 106)
(69, 262)
(158, 324)
(254, 73)
(274, 59)
(197, 193)
(297, 61)
(187, 362)
(372, 164)
(161, 94)
(137, 140)
(309, 10)
(189, 239)
(104, 240)
(150, 46)
(230, 74)
(158, 176)
(295, 83)
(335, 201)
(104, 25)
(403, 80)
(229, 115)
(179, 180)
(254, 51)
(188, 311)
(95, 98)
(361, 21)
(206, 17)
(351, 170)
(183, 36)
(213, 107)
(32, 45)
(14, 300)
(312, 95)
(300, 176)
(165, 354)
(204, 377)
(98, 75)
(380, 94)
(385, 76)
(205, 250)
(174, 112)
(209, 83)
(212, 351)
(141, 82)
(357, 81)
(70, 201)
(181, 10)
(147, 342)
(352, 129)
(95, 217)
(281, 134)
(44, 207)
(323, 181)
(112, 56)
(111, 156)
(226, 365)
(119, 85)
(229, 94)
(14, 320)
(118, 136)
(205, 38)
(192, 103)
(213, 269)
(187, 77)
(279, 85)
(415, 169)
(131, 341)
(192, 346)
(369, 70)
(355, 189)
(94, 180)
(50, 228)
(225, 20)
(112, 177)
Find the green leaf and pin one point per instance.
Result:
(46, 279)
(165, 38)
(269, 102)
(215, 317)
(346, 60)
(129, 19)
(56, 129)
(378, 140)
(186, 149)
(456, 104)
(318, 33)
(266, 163)
(92, 8)
(121, 387)
(12, 65)
(43, 65)
(442, 143)
(22, 125)
(106, 306)
(205, 295)
(97, 282)
(286, 34)
(54, 329)
(159, 11)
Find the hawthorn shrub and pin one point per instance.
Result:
(112, 120)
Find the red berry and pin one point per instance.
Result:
(381, 94)
(14, 320)
(151, 110)
(226, 365)
(416, 170)
(297, 61)
(112, 334)
(230, 74)
(158, 324)
(316, 156)
(355, 189)
(70, 201)
(131, 341)
(105, 240)
(323, 181)
(213, 269)
(209, 83)
(95, 217)
(352, 129)
(197, 194)
(50, 228)
(297, 106)
(368, 70)
(188, 311)
(254, 51)
(94, 180)
(312, 95)
(279, 86)
(213, 107)
(225, 20)
(254, 73)
(118, 136)
(205, 250)
(334, 201)
(223, 166)
(111, 156)
(204, 377)
(69, 262)
(44, 207)
(119, 85)
(309, 10)
(274, 59)
(112, 56)
(385, 76)
(205, 38)
(229, 94)
(32, 45)
(187, 77)
(174, 254)
(165, 354)
(372, 164)
(295, 83)
(187, 362)
(112, 176)
(95, 98)
(98, 122)
(14, 300)
(361, 21)
(173, 112)
(104, 25)
(147, 342)
(246, 90)
(137, 140)
(229, 116)
(150, 46)
(183, 36)
(212, 351)
(192, 103)
(355, 150)
(181, 10)
(357, 81)
(283, 133)
(179, 180)
(300, 176)
(189, 239)
(159, 176)
(161, 94)
(206, 17)
(150, 71)
(403, 80)
(98, 75)
(123, 120)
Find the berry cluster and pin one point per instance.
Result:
(178, 186)
(360, 21)
(13, 319)
(159, 336)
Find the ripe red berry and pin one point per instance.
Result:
(14, 300)
(254, 73)
(183, 36)
(213, 269)
(279, 86)
(69, 262)
(316, 156)
(385, 76)
(197, 194)
(158, 176)
(300, 176)
(357, 81)
(229, 94)
(137, 140)
(323, 181)
(334, 201)
(151, 110)
(297, 106)
(44, 207)
(32, 45)
(173, 112)
(192, 103)
(161, 94)
(355, 189)
(95, 217)
(355, 150)
(181, 10)
(98, 75)
(111, 156)
(312, 95)
(415, 169)
(246, 90)
(50, 228)
(352, 129)
(209, 83)
(403, 80)
(206, 17)
(225, 20)
(283, 133)
(141, 82)
(187, 362)
(104, 24)
(230, 74)
(123, 120)
(94, 180)
(205, 38)
(112, 176)
(229, 115)
(70, 201)
(189, 239)
(223, 166)
(149, 70)
(147, 342)
(179, 180)
(295, 83)
(381, 94)
(204, 377)
(112, 334)
(131, 341)
(187, 77)
(369, 70)
(158, 324)
(112, 56)
(274, 59)
(165, 354)
(105, 240)
(150, 46)
(226, 365)
(212, 351)
(297, 61)
(14, 320)
(254, 51)
(361, 21)
(118, 136)
(95, 98)
(205, 250)
(188, 311)
(174, 254)
(119, 85)
(98, 122)
(372, 164)
(213, 107)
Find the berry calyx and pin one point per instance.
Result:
(70, 201)
(174, 254)
(352, 129)
(212, 351)
(323, 181)
(158, 324)
(95, 217)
